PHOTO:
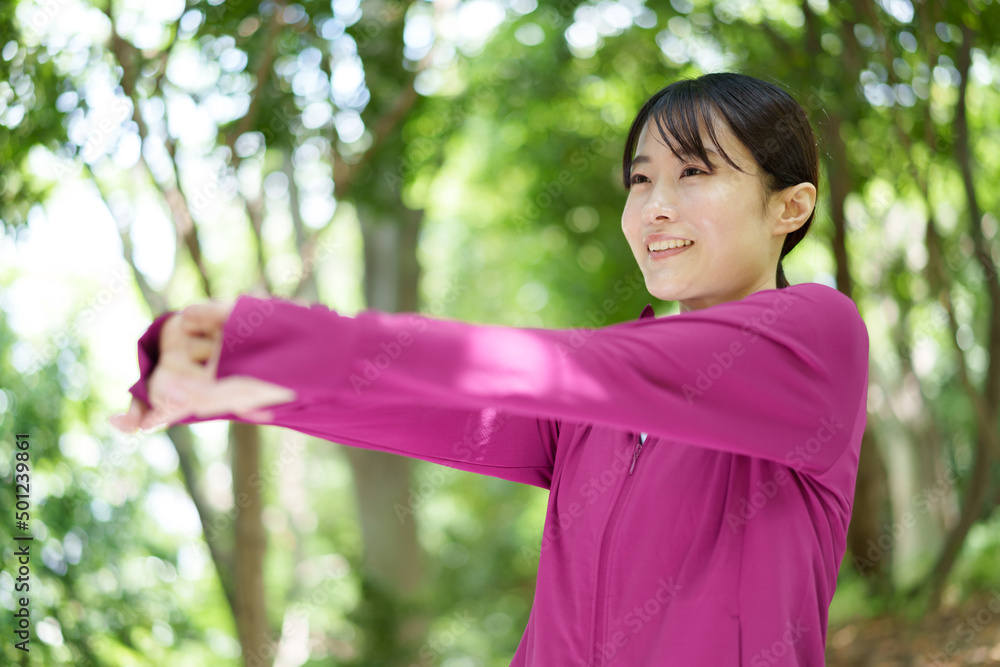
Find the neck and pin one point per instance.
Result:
(688, 305)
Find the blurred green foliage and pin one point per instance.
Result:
(511, 149)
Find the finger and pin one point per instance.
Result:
(238, 394)
(153, 420)
(167, 412)
(212, 366)
(183, 361)
(257, 416)
(172, 334)
(129, 422)
(172, 396)
(120, 422)
(206, 318)
(200, 348)
(167, 375)
(179, 396)
(164, 411)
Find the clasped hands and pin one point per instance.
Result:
(184, 383)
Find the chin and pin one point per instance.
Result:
(666, 293)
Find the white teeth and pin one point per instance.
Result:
(667, 245)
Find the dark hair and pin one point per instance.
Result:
(766, 119)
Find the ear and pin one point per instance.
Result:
(792, 207)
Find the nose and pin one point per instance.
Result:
(657, 209)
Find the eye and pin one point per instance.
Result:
(687, 169)
(635, 178)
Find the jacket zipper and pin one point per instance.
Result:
(602, 558)
(635, 454)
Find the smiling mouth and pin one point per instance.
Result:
(663, 254)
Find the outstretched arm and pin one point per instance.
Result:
(484, 440)
(779, 374)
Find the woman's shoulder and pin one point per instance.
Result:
(820, 290)
(812, 291)
(824, 300)
(832, 318)
(814, 315)
(831, 298)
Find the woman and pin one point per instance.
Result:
(701, 466)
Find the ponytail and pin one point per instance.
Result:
(780, 280)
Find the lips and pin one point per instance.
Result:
(656, 239)
(664, 254)
(660, 245)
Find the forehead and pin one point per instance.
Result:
(651, 143)
(651, 136)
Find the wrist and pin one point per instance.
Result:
(149, 355)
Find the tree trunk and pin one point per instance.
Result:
(392, 555)
(919, 504)
(985, 404)
(871, 499)
(259, 644)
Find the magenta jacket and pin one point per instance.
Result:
(713, 542)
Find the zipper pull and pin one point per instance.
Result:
(635, 454)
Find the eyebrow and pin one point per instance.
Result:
(643, 159)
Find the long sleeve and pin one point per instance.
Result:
(779, 374)
(482, 439)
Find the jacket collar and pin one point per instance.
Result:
(647, 312)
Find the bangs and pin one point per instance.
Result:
(680, 114)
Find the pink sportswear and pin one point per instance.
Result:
(714, 543)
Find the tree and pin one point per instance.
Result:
(477, 175)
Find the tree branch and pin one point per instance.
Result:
(963, 155)
(153, 299)
(261, 75)
(255, 214)
(222, 558)
(179, 435)
(343, 171)
(126, 55)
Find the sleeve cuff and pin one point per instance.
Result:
(149, 354)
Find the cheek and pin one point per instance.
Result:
(630, 217)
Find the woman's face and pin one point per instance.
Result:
(736, 244)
